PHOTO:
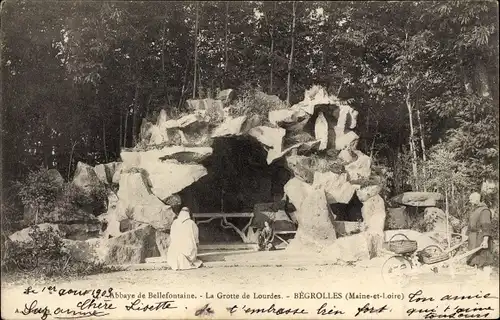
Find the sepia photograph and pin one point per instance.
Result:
(249, 159)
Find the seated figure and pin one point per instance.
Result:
(266, 238)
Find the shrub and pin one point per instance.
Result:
(39, 192)
(255, 102)
(46, 256)
(73, 199)
(322, 164)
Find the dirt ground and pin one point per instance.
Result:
(264, 277)
(286, 281)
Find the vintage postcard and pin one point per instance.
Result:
(249, 160)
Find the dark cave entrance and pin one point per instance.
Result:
(238, 178)
(350, 211)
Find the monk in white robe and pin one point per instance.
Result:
(184, 242)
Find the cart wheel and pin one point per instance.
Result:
(395, 269)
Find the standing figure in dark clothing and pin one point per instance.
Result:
(479, 233)
(266, 238)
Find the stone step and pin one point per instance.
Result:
(207, 256)
(224, 264)
(226, 246)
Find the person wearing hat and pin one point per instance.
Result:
(183, 249)
(479, 233)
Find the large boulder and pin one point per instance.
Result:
(86, 178)
(418, 199)
(435, 220)
(80, 231)
(292, 119)
(347, 156)
(162, 242)
(23, 235)
(166, 177)
(210, 109)
(300, 168)
(117, 173)
(347, 249)
(361, 168)
(344, 140)
(316, 230)
(226, 96)
(337, 187)
(92, 250)
(301, 148)
(145, 131)
(347, 117)
(373, 212)
(186, 155)
(67, 213)
(156, 136)
(56, 177)
(191, 129)
(297, 190)
(112, 223)
(106, 171)
(230, 127)
(270, 137)
(138, 203)
(111, 168)
(347, 228)
(131, 247)
(127, 248)
(66, 231)
(367, 192)
(162, 118)
(315, 96)
(397, 218)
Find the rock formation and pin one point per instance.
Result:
(307, 151)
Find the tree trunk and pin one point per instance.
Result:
(71, 159)
(412, 138)
(121, 128)
(163, 53)
(183, 89)
(271, 73)
(482, 79)
(465, 76)
(290, 61)
(272, 66)
(125, 127)
(104, 140)
(422, 144)
(134, 114)
(226, 37)
(195, 50)
(46, 143)
(447, 211)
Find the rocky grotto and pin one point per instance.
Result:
(214, 162)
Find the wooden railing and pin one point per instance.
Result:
(208, 217)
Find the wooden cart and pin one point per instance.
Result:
(406, 260)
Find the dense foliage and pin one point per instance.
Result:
(45, 256)
(79, 76)
(47, 200)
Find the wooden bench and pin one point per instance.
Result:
(208, 217)
(278, 233)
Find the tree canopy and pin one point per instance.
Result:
(78, 76)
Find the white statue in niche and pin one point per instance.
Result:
(321, 131)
